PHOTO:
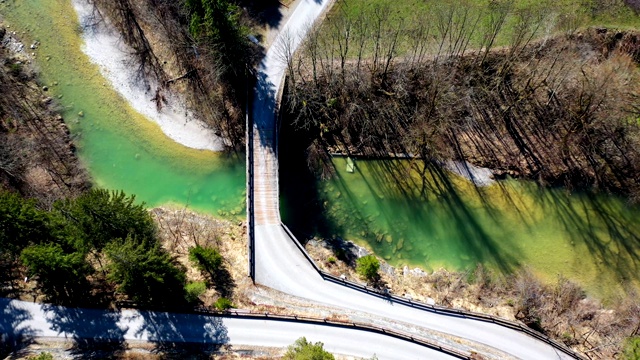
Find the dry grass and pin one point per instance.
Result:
(180, 229)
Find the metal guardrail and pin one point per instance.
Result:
(247, 314)
(434, 308)
(250, 196)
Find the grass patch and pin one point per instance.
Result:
(476, 20)
(193, 290)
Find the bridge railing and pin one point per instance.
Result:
(250, 196)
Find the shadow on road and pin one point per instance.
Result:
(14, 335)
(183, 334)
(96, 333)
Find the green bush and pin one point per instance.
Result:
(223, 304)
(148, 275)
(631, 349)
(42, 356)
(193, 290)
(331, 260)
(305, 350)
(367, 267)
(208, 260)
(99, 216)
(15, 69)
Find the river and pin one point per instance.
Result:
(448, 222)
(384, 205)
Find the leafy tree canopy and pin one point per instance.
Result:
(21, 223)
(146, 273)
(62, 276)
(100, 216)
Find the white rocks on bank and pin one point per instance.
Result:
(479, 176)
(104, 47)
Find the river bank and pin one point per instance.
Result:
(411, 214)
(37, 156)
(105, 48)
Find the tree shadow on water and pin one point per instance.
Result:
(14, 334)
(183, 335)
(396, 201)
(438, 190)
(96, 333)
(609, 230)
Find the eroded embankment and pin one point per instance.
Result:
(37, 157)
(105, 47)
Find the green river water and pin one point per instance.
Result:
(445, 221)
(121, 149)
(441, 222)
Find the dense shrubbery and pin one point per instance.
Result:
(367, 267)
(145, 272)
(217, 22)
(64, 249)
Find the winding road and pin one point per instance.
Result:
(25, 321)
(281, 265)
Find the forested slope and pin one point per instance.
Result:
(198, 48)
(563, 110)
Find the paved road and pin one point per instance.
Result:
(280, 264)
(32, 320)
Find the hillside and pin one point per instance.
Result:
(562, 111)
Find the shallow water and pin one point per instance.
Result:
(447, 222)
(120, 148)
